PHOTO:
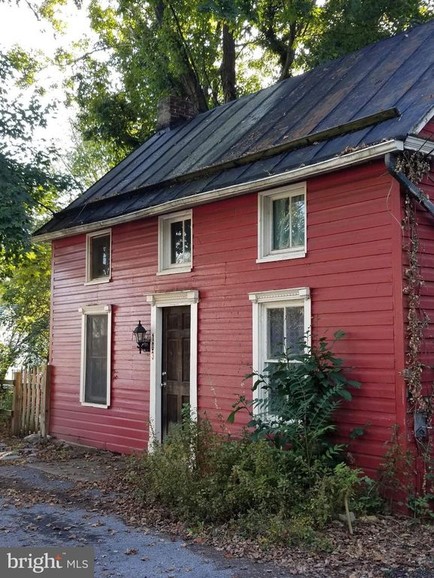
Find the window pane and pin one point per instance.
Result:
(176, 242)
(180, 242)
(187, 241)
(100, 256)
(275, 334)
(271, 394)
(294, 328)
(96, 359)
(297, 221)
(281, 238)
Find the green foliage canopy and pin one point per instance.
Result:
(344, 26)
(208, 51)
(25, 310)
(29, 192)
(29, 187)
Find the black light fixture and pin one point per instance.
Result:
(143, 342)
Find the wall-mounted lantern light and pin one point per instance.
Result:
(143, 341)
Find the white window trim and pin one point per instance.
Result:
(95, 310)
(89, 237)
(265, 253)
(157, 302)
(164, 265)
(263, 300)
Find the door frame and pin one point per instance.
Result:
(157, 302)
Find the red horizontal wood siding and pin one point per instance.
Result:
(428, 130)
(353, 268)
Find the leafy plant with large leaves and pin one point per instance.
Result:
(299, 395)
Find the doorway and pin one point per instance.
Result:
(175, 366)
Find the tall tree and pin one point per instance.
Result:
(283, 26)
(151, 49)
(29, 191)
(209, 52)
(25, 310)
(347, 25)
(29, 187)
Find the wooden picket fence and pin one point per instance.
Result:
(31, 401)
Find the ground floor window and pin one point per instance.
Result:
(281, 320)
(95, 355)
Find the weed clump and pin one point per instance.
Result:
(284, 480)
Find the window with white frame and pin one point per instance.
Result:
(98, 257)
(175, 243)
(281, 322)
(282, 223)
(96, 355)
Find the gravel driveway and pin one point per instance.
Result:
(60, 496)
(120, 550)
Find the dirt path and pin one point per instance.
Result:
(45, 504)
(54, 494)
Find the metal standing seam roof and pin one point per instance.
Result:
(381, 92)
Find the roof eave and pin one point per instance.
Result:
(355, 157)
(420, 145)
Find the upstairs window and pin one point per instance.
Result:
(282, 224)
(98, 257)
(175, 243)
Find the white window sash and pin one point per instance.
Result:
(86, 311)
(165, 267)
(260, 303)
(89, 238)
(265, 224)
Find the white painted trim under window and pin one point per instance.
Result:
(165, 267)
(89, 237)
(263, 300)
(265, 229)
(157, 302)
(95, 310)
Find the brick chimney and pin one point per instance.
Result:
(172, 110)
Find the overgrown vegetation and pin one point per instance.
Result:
(6, 397)
(284, 480)
(396, 479)
(296, 399)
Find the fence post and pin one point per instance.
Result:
(44, 415)
(17, 404)
(25, 403)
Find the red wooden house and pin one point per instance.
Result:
(305, 205)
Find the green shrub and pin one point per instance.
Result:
(302, 392)
(280, 483)
(367, 498)
(6, 398)
(253, 487)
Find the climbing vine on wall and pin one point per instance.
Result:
(417, 319)
(415, 166)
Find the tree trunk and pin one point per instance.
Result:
(227, 68)
(187, 79)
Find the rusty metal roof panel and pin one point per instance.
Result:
(351, 95)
